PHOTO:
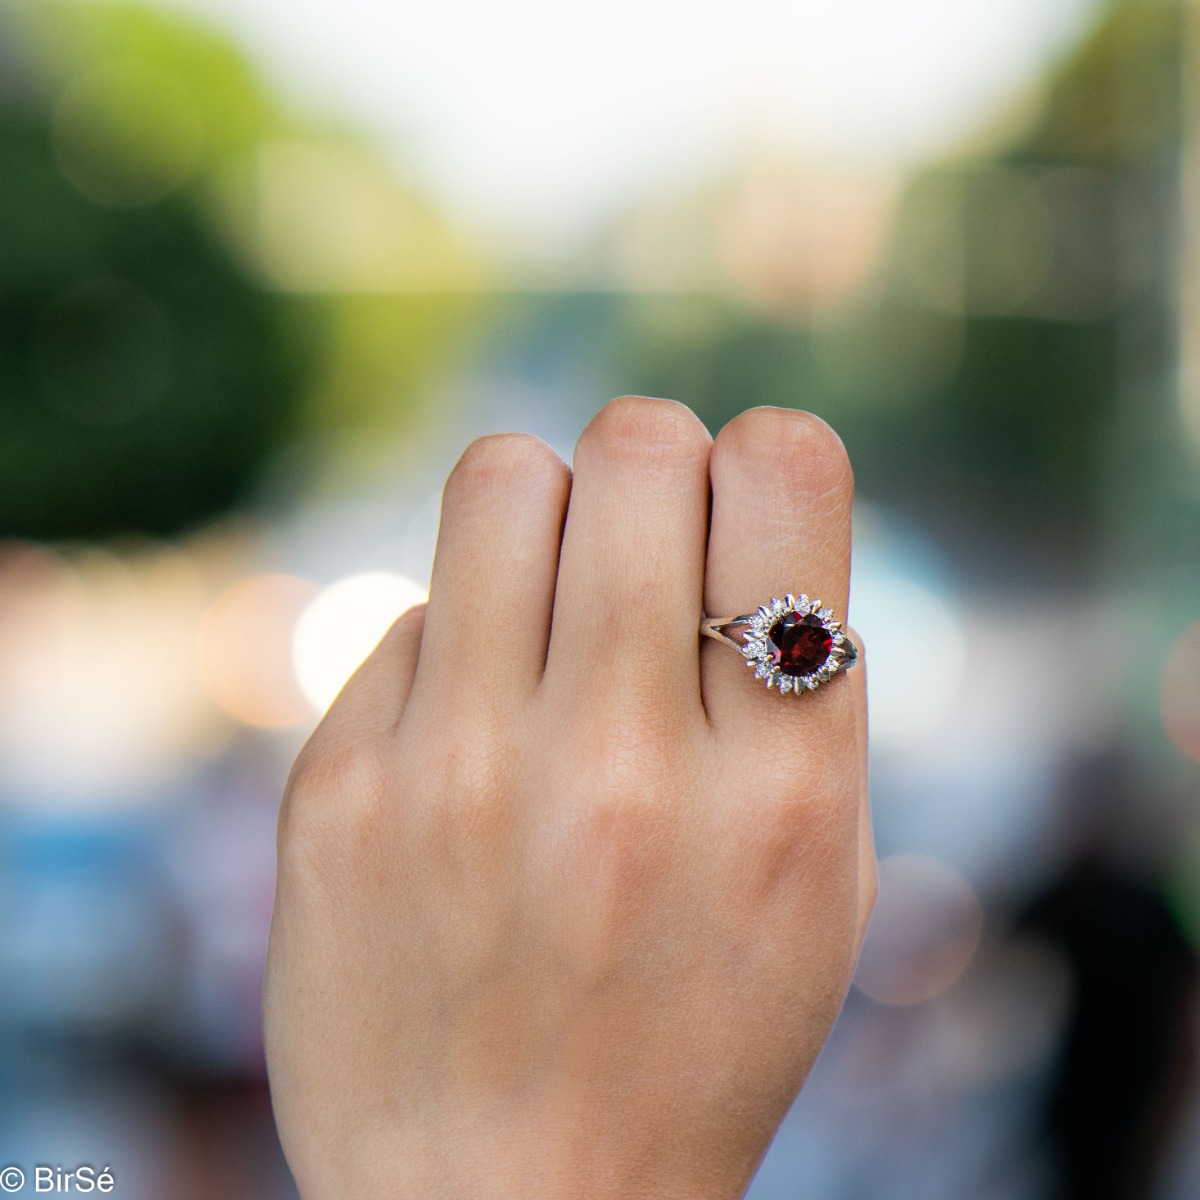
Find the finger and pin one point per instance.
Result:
(868, 874)
(631, 574)
(373, 698)
(782, 492)
(492, 588)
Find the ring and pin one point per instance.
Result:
(794, 644)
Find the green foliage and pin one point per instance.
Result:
(143, 376)
(172, 314)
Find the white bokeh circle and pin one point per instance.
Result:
(342, 625)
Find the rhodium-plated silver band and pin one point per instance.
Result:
(793, 644)
(714, 627)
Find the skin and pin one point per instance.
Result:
(567, 901)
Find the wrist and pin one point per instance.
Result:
(506, 1162)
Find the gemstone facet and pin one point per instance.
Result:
(799, 644)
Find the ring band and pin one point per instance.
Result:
(793, 644)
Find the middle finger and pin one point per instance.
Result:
(631, 573)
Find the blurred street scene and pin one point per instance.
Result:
(266, 267)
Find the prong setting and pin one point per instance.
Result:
(767, 659)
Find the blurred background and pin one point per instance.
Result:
(266, 266)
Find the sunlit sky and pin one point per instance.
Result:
(536, 115)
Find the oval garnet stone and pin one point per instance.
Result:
(801, 644)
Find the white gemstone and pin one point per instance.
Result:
(802, 604)
(838, 639)
(824, 614)
(823, 674)
(785, 684)
(777, 607)
(762, 670)
(832, 665)
(812, 682)
(754, 650)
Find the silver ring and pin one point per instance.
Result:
(793, 644)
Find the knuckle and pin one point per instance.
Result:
(642, 428)
(624, 841)
(625, 796)
(458, 774)
(793, 442)
(505, 461)
(463, 783)
(803, 807)
(333, 795)
(795, 838)
(622, 801)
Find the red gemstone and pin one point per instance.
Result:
(801, 644)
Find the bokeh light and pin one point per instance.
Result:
(923, 933)
(245, 650)
(343, 625)
(127, 134)
(97, 685)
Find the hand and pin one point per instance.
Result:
(567, 900)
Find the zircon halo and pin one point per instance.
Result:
(796, 645)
